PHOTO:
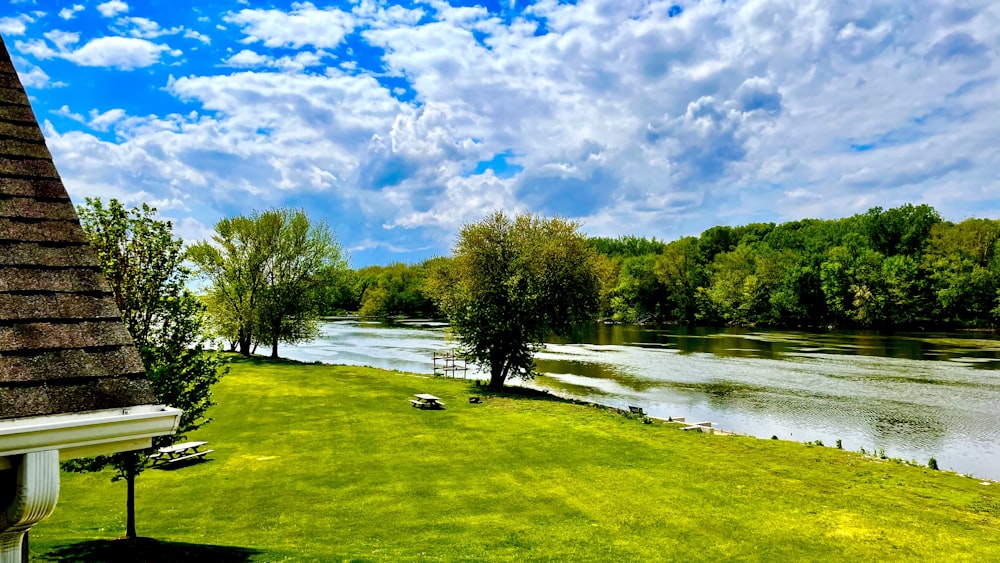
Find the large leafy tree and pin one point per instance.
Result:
(962, 265)
(144, 265)
(235, 267)
(681, 275)
(513, 282)
(267, 274)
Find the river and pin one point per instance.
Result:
(913, 395)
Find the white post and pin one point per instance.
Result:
(36, 491)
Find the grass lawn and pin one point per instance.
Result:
(329, 463)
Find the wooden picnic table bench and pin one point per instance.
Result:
(179, 452)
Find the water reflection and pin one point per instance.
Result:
(912, 395)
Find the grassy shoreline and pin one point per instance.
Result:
(329, 463)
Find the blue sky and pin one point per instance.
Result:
(398, 122)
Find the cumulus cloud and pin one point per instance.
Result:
(248, 59)
(628, 114)
(112, 8)
(192, 34)
(34, 77)
(145, 28)
(304, 25)
(124, 53)
(16, 25)
(70, 13)
(252, 59)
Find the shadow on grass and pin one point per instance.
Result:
(259, 360)
(182, 464)
(515, 392)
(148, 550)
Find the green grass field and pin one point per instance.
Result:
(330, 463)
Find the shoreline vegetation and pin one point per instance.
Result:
(317, 462)
(904, 268)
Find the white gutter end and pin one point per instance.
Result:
(87, 434)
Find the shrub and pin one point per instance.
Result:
(932, 463)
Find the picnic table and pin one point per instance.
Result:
(425, 401)
(179, 452)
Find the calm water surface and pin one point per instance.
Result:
(913, 395)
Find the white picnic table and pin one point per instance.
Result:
(426, 401)
(179, 452)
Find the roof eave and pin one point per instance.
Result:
(87, 434)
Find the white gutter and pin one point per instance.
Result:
(87, 434)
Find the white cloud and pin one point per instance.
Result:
(64, 111)
(192, 34)
(103, 121)
(610, 111)
(112, 8)
(15, 25)
(62, 39)
(37, 48)
(304, 25)
(145, 28)
(32, 76)
(248, 59)
(70, 13)
(300, 61)
(124, 53)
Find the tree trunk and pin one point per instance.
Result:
(130, 472)
(275, 327)
(245, 346)
(498, 373)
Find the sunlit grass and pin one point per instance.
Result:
(331, 463)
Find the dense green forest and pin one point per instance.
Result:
(886, 268)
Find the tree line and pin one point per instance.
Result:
(886, 268)
(903, 267)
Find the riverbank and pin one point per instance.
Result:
(320, 463)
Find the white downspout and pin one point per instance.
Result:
(35, 495)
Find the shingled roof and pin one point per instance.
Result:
(63, 346)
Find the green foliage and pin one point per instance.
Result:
(743, 282)
(678, 271)
(962, 266)
(899, 267)
(511, 283)
(900, 231)
(396, 290)
(640, 293)
(627, 246)
(932, 463)
(144, 266)
(269, 275)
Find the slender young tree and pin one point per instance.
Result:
(301, 251)
(266, 273)
(235, 266)
(143, 264)
(511, 284)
